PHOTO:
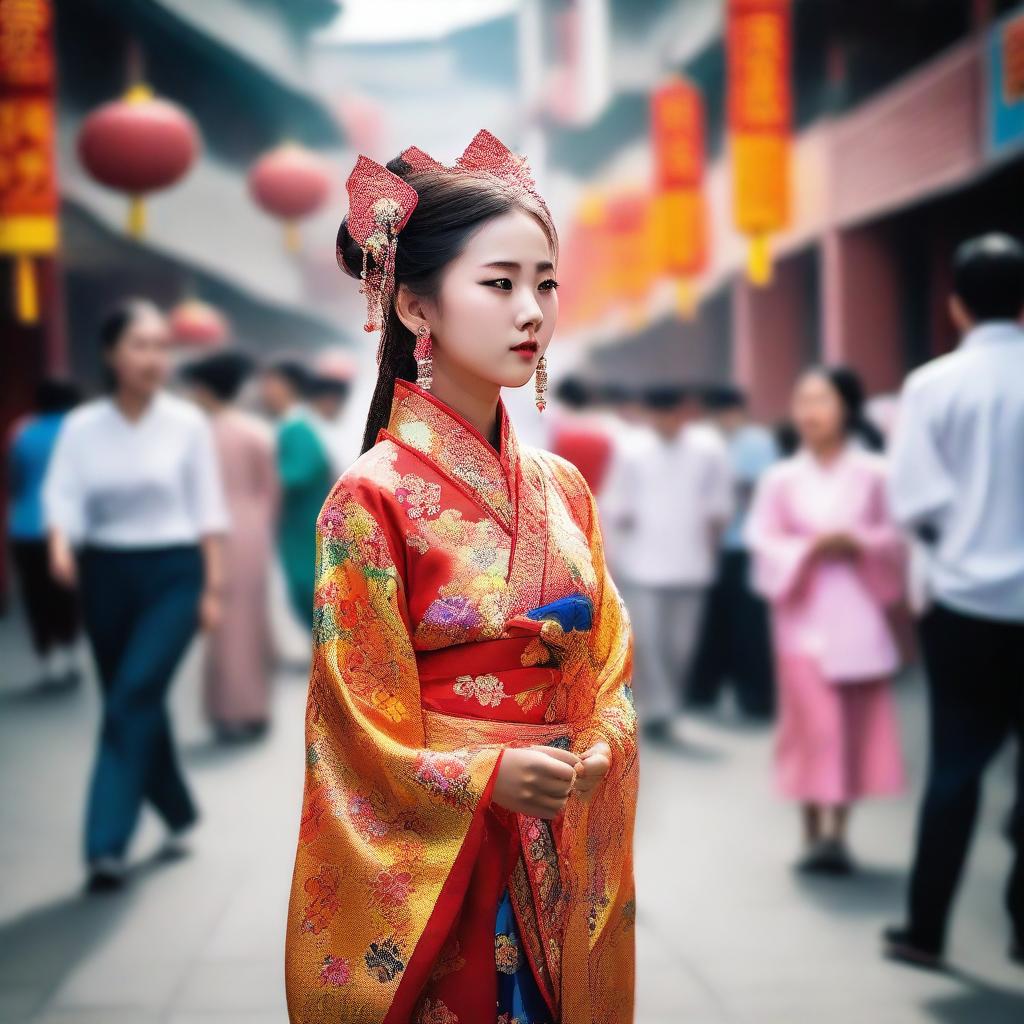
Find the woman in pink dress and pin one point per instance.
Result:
(829, 559)
(238, 652)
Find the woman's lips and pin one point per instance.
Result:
(526, 349)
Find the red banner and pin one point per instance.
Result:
(28, 184)
(760, 93)
(677, 126)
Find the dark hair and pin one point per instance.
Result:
(326, 386)
(988, 277)
(574, 392)
(222, 373)
(615, 395)
(115, 322)
(450, 207)
(56, 395)
(664, 397)
(847, 385)
(786, 437)
(295, 373)
(724, 398)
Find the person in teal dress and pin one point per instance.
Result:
(306, 478)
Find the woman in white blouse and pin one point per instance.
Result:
(134, 507)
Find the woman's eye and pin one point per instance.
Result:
(502, 282)
(549, 285)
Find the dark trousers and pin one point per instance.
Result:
(51, 608)
(140, 611)
(735, 642)
(976, 689)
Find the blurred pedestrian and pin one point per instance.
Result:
(328, 396)
(735, 645)
(958, 482)
(580, 434)
(668, 500)
(238, 651)
(135, 510)
(830, 560)
(304, 469)
(50, 607)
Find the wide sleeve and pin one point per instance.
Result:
(390, 829)
(883, 548)
(205, 487)
(597, 847)
(63, 487)
(781, 556)
(921, 488)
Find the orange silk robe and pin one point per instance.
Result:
(432, 549)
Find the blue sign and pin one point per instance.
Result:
(1005, 91)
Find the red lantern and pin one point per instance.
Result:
(197, 324)
(290, 183)
(138, 144)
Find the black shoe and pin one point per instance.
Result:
(659, 733)
(900, 945)
(826, 857)
(106, 874)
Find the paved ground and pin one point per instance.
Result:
(726, 933)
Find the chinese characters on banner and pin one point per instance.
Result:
(677, 124)
(760, 105)
(28, 187)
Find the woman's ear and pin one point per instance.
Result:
(410, 309)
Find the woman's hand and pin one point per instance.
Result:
(596, 763)
(62, 561)
(210, 610)
(535, 781)
(839, 546)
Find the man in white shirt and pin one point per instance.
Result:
(958, 482)
(667, 502)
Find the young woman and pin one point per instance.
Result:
(829, 559)
(238, 651)
(465, 852)
(134, 487)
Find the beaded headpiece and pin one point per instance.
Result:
(381, 203)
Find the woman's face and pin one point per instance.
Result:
(497, 306)
(140, 360)
(817, 410)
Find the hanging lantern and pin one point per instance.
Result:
(138, 144)
(677, 123)
(28, 186)
(290, 183)
(760, 119)
(197, 324)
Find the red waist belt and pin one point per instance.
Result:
(487, 679)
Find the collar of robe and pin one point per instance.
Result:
(427, 426)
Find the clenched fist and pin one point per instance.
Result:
(536, 781)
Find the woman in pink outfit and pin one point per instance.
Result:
(238, 652)
(829, 559)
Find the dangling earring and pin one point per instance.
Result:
(424, 362)
(540, 384)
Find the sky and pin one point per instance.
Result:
(395, 20)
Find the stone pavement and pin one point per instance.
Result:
(726, 933)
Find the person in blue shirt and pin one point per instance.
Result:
(50, 607)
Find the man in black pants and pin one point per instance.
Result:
(958, 482)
